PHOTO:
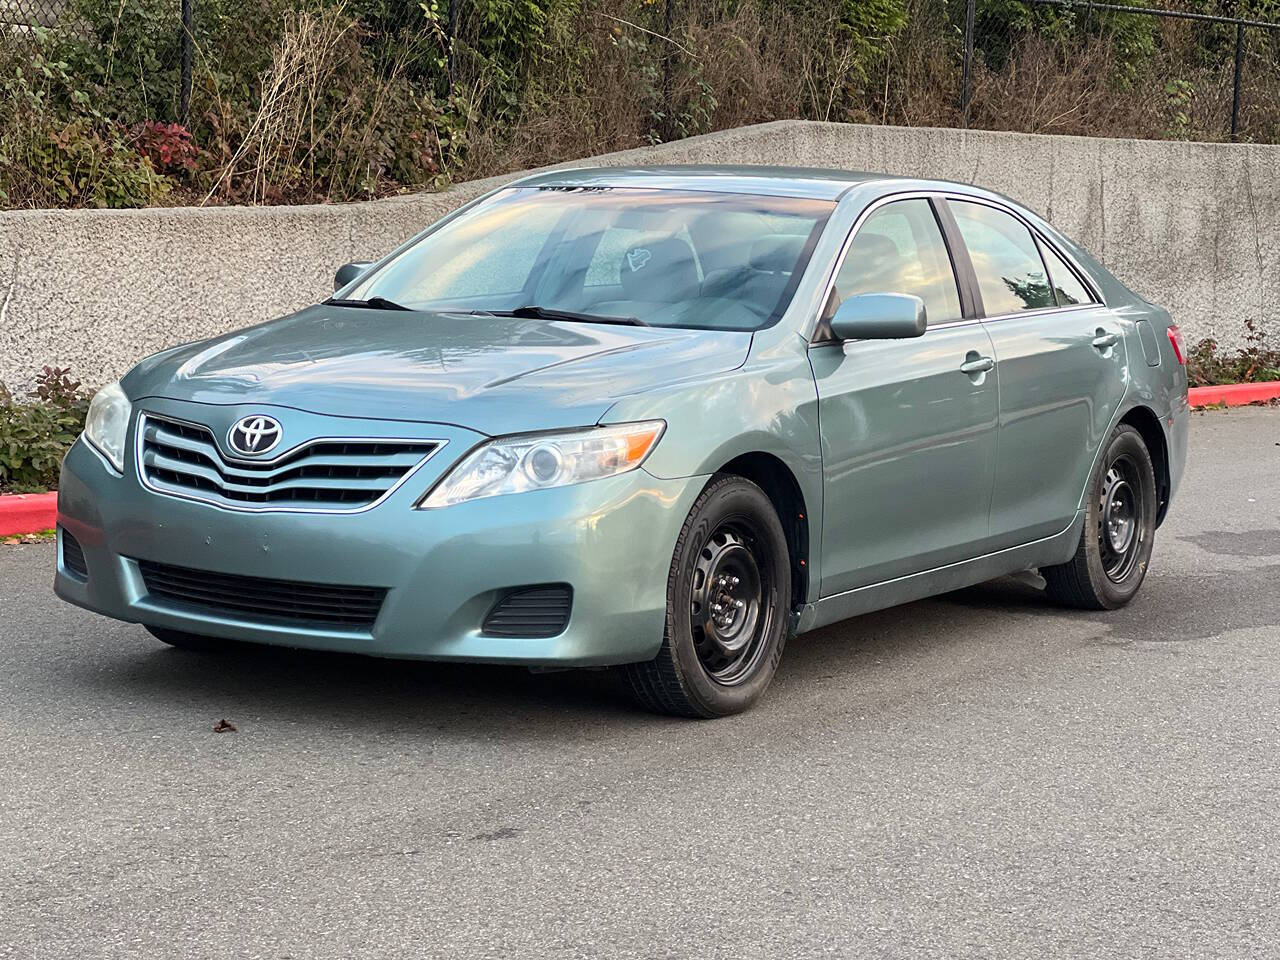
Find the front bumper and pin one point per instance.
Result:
(611, 540)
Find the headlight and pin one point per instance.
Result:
(108, 422)
(541, 460)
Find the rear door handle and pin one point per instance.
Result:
(981, 365)
(1104, 340)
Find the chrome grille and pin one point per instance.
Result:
(183, 460)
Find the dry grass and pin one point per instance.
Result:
(610, 89)
(278, 148)
(1044, 89)
(326, 119)
(347, 110)
(758, 64)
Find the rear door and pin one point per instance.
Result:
(908, 426)
(1061, 370)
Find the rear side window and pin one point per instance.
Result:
(1011, 275)
(899, 249)
(1066, 285)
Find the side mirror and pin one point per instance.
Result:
(879, 316)
(348, 272)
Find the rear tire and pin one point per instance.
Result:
(728, 599)
(1119, 530)
(191, 641)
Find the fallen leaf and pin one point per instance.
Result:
(224, 726)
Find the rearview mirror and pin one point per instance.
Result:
(879, 316)
(348, 272)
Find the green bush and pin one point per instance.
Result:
(57, 148)
(80, 166)
(1207, 366)
(125, 54)
(36, 431)
(1000, 22)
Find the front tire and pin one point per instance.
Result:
(728, 599)
(1119, 530)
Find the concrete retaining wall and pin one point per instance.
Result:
(1193, 226)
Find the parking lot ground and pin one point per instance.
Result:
(979, 775)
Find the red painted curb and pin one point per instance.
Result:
(27, 513)
(1234, 394)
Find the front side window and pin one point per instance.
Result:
(675, 258)
(899, 249)
(1011, 275)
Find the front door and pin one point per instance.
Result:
(908, 426)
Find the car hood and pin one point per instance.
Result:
(490, 374)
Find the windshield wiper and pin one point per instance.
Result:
(373, 303)
(532, 312)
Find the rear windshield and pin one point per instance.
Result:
(668, 258)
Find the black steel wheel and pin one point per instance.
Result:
(728, 595)
(1119, 518)
(728, 611)
(1115, 545)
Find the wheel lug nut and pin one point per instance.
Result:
(739, 604)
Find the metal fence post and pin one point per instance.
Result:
(188, 48)
(452, 26)
(668, 127)
(966, 70)
(1235, 88)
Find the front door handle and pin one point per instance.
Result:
(1104, 340)
(981, 365)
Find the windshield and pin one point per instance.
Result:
(660, 257)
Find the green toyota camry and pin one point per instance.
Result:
(656, 419)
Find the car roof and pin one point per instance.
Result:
(813, 182)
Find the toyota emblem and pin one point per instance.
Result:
(254, 435)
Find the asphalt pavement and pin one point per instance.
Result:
(979, 775)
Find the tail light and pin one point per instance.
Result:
(1175, 338)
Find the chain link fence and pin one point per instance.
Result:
(88, 24)
(176, 36)
(1210, 75)
(23, 15)
(1216, 75)
(295, 100)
